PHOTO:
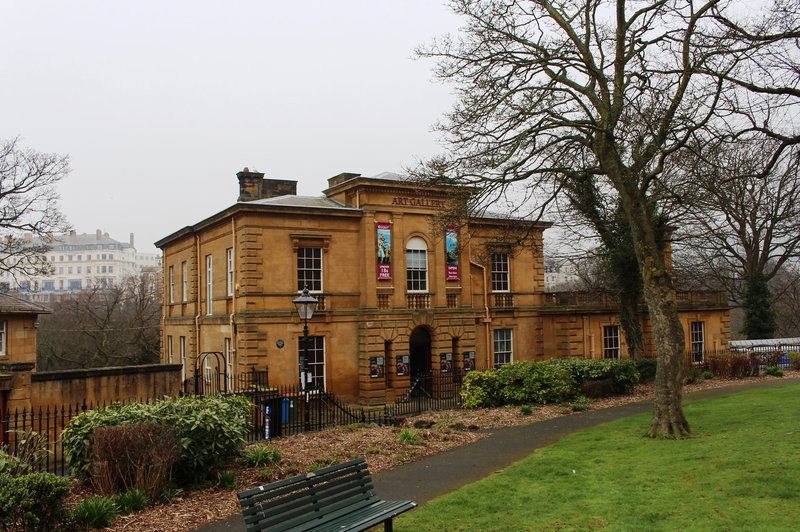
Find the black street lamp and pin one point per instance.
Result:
(306, 305)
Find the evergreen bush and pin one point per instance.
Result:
(212, 430)
(647, 368)
(623, 374)
(479, 389)
(33, 502)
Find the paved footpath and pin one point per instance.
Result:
(442, 473)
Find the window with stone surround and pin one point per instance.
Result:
(209, 286)
(172, 284)
(500, 271)
(698, 340)
(229, 255)
(611, 341)
(417, 265)
(185, 280)
(316, 359)
(503, 347)
(309, 269)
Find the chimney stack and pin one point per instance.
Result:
(253, 186)
(99, 234)
(132, 241)
(249, 184)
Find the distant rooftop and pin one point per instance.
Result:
(11, 304)
(318, 202)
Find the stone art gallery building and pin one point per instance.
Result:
(400, 293)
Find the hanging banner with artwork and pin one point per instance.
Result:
(451, 250)
(384, 250)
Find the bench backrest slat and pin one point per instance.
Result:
(317, 496)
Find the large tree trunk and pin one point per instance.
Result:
(668, 419)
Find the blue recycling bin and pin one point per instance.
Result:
(289, 409)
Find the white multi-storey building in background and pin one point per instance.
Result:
(80, 262)
(560, 276)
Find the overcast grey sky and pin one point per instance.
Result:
(159, 104)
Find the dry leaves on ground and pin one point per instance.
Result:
(440, 431)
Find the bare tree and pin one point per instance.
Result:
(601, 94)
(746, 223)
(28, 206)
(786, 300)
(101, 327)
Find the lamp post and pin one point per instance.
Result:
(306, 305)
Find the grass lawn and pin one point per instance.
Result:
(742, 472)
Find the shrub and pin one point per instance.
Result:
(29, 456)
(707, 375)
(525, 410)
(409, 436)
(754, 363)
(226, 480)
(741, 366)
(138, 456)
(534, 382)
(261, 455)
(169, 492)
(479, 389)
(33, 502)
(647, 368)
(131, 501)
(720, 364)
(623, 374)
(212, 430)
(794, 358)
(691, 374)
(771, 358)
(95, 512)
(775, 371)
(579, 404)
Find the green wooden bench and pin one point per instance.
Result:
(339, 497)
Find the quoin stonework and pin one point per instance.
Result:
(401, 292)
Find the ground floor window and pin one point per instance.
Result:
(316, 359)
(503, 353)
(698, 340)
(611, 341)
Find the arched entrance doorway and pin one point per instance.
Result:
(419, 344)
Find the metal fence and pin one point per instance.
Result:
(762, 356)
(277, 410)
(47, 421)
(286, 410)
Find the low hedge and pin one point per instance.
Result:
(623, 374)
(212, 430)
(552, 381)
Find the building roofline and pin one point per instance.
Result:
(20, 306)
(254, 207)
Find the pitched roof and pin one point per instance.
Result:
(14, 305)
(319, 202)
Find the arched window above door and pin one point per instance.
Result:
(416, 265)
